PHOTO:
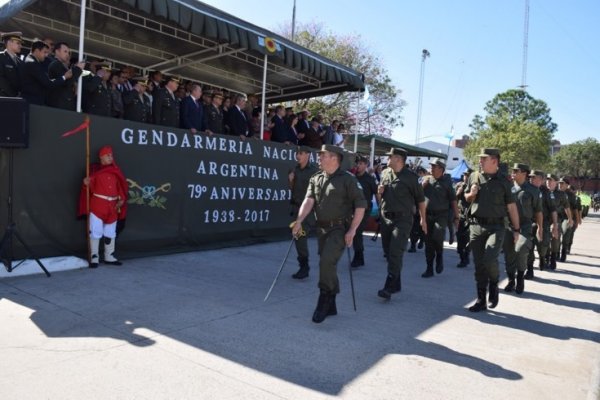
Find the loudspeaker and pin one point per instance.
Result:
(14, 122)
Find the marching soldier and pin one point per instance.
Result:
(339, 206)
(298, 179)
(529, 207)
(563, 210)
(575, 204)
(369, 187)
(9, 62)
(137, 105)
(165, 106)
(441, 199)
(490, 195)
(462, 233)
(398, 192)
(549, 228)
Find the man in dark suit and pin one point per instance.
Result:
(9, 62)
(192, 112)
(63, 96)
(137, 105)
(238, 123)
(35, 82)
(303, 122)
(279, 132)
(165, 106)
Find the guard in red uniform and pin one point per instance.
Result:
(108, 203)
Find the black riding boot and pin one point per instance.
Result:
(323, 307)
(520, 282)
(511, 283)
(553, 258)
(563, 254)
(529, 273)
(391, 286)
(480, 305)
(494, 295)
(304, 268)
(358, 260)
(439, 263)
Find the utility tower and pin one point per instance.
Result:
(525, 47)
(424, 56)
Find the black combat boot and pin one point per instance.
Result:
(553, 258)
(420, 244)
(332, 306)
(391, 286)
(569, 249)
(429, 271)
(323, 307)
(510, 286)
(542, 263)
(358, 260)
(304, 268)
(413, 247)
(563, 254)
(494, 295)
(520, 282)
(480, 305)
(439, 263)
(529, 273)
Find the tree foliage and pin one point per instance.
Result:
(580, 159)
(386, 104)
(517, 124)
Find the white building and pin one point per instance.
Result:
(455, 154)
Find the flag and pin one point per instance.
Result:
(367, 101)
(81, 127)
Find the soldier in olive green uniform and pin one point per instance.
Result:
(529, 206)
(563, 210)
(398, 192)
(298, 179)
(490, 195)
(96, 97)
(369, 187)
(137, 104)
(550, 225)
(575, 204)
(441, 198)
(213, 114)
(462, 234)
(339, 205)
(165, 105)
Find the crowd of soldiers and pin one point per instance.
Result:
(493, 212)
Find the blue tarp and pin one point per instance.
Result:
(458, 171)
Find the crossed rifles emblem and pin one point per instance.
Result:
(147, 195)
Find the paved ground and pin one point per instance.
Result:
(194, 326)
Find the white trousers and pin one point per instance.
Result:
(98, 228)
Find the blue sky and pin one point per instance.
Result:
(476, 51)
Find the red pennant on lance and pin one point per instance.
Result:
(81, 127)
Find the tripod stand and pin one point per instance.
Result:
(6, 249)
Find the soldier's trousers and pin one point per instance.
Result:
(462, 238)
(416, 232)
(302, 242)
(486, 242)
(331, 248)
(562, 227)
(516, 260)
(568, 234)
(394, 236)
(434, 239)
(357, 242)
(541, 246)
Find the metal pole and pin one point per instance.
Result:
(81, 40)
(357, 124)
(294, 22)
(264, 101)
(424, 55)
(372, 154)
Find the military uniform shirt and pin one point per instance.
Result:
(562, 203)
(528, 202)
(369, 187)
(214, 119)
(336, 196)
(9, 76)
(494, 195)
(440, 194)
(548, 205)
(402, 191)
(301, 179)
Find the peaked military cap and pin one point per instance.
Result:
(521, 167)
(361, 158)
(397, 151)
(537, 172)
(174, 79)
(217, 94)
(467, 171)
(563, 180)
(305, 149)
(552, 176)
(439, 162)
(12, 36)
(332, 149)
(489, 151)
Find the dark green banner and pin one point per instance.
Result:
(186, 191)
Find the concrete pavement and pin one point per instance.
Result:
(194, 326)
